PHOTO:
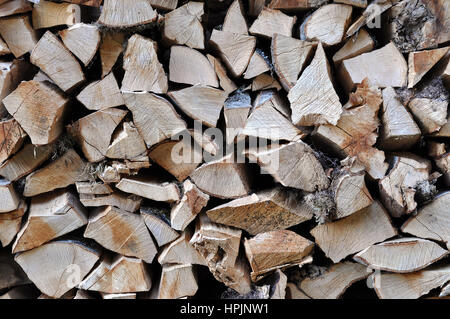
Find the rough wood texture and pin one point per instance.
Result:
(419, 63)
(9, 227)
(48, 14)
(256, 66)
(9, 198)
(164, 4)
(129, 203)
(358, 44)
(127, 144)
(12, 137)
(18, 34)
(110, 48)
(272, 21)
(83, 40)
(181, 251)
(150, 188)
(8, 8)
(101, 94)
(156, 220)
(225, 82)
(235, 19)
(126, 13)
(177, 281)
(430, 114)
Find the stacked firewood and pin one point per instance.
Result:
(224, 149)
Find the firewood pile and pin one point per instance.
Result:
(224, 149)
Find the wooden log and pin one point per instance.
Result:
(150, 188)
(278, 249)
(177, 281)
(12, 274)
(333, 283)
(257, 65)
(289, 58)
(181, 251)
(235, 50)
(358, 44)
(225, 82)
(122, 232)
(83, 40)
(443, 164)
(278, 287)
(200, 102)
(110, 48)
(4, 50)
(14, 7)
(183, 26)
(62, 172)
(236, 110)
(18, 34)
(59, 266)
(292, 292)
(12, 137)
(9, 227)
(164, 4)
(143, 71)
(191, 204)
(262, 212)
(129, 203)
(93, 188)
(337, 17)
(52, 57)
(10, 200)
(310, 106)
(295, 4)
(383, 68)
(126, 13)
(159, 225)
(93, 132)
(420, 62)
(292, 165)
(47, 14)
(235, 19)
(355, 3)
(90, 3)
(430, 114)
(118, 275)
(39, 108)
(127, 144)
(370, 15)
(101, 94)
(271, 21)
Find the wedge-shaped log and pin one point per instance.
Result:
(127, 144)
(9, 198)
(126, 13)
(177, 281)
(236, 110)
(12, 137)
(235, 19)
(93, 188)
(18, 34)
(293, 4)
(150, 188)
(257, 65)
(101, 94)
(358, 44)
(372, 11)
(83, 40)
(110, 48)
(129, 203)
(265, 82)
(271, 21)
(430, 114)
(47, 14)
(181, 251)
(164, 4)
(159, 225)
(420, 62)
(10, 225)
(225, 82)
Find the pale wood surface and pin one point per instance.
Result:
(127, 144)
(420, 62)
(157, 222)
(10, 200)
(177, 281)
(126, 13)
(14, 7)
(225, 82)
(48, 14)
(271, 21)
(235, 19)
(164, 4)
(12, 137)
(126, 202)
(101, 94)
(83, 40)
(430, 114)
(18, 34)
(356, 45)
(9, 227)
(150, 188)
(256, 66)
(181, 251)
(110, 48)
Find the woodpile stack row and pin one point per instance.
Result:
(224, 149)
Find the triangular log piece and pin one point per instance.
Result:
(177, 281)
(83, 40)
(157, 221)
(126, 13)
(271, 21)
(150, 188)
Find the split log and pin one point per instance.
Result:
(420, 62)
(431, 221)
(157, 222)
(337, 17)
(265, 82)
(289, 58)
(235, 49)
(222, 178)
(358, 44)
(18, 34)
(39, 108)
(183, 26)
(292, 165)
(256, 66)
(295, 4)
(126, 13)
(309, 105)
(150, 188)
(355, 3)
(93, 188)
(192, 202)
(122, 232)
(47, 14)
(292, 292)
(177, 281)
(370, 15)
(383, 68)
(236, 110)
(83, 40)
(90, 3)
(53, 58)
(110, 48)
(189, 66)
(219, 245)
(129, 203)
(118, 275)
(9, 227)
(93, 132)
(164, 4)
(12, 137)
(443, 164)
(62, 172)
(271, 21)
(143, 71)
(262, 212)
(206, 141)
(278, 249)
(235, 19)
(154, 116)
(10, 200)
(127, 144)
(181, 251)
(278, 286)
(101, 94)
(225, 82)
(57, 267)
(12, 274)
(431, 114)
(333, 283)
(51, 215)
(354, 233)
(200, 102)
(9, 8)
(4, 50)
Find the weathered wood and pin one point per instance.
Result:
(164, 4)
(256, 66)
(4, 48)
(157, 222)
(370, 15)
(101, 94)
(129, 203)
(181, 251)
(235, 19)
(93, 188)
(47, 14)
(14, 7)
(270, 22)
(90, 3)
(151, 188)
(177, 281)
(278, 287)
(225, 82)
(18, 34)
(292, 292)
(12, 137)
(126, 13)
(9, 227)
(10, 200)
(83, 40)
(127, 144)
(358, 44)
(443, 164)
(110, 48)
(295, 4)
(430, 114)
(355, 3)
(265, 82)
(420, 62)
(236, 110)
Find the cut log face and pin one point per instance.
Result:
(64, 171)
(262, 212)
(358, 44)
(333, 283)
(83, 40)
(256, 66)
(295, 4)
(93, 188)
(420, 62)
(183, 26)
(177, 281)
(122, 232)
(51, 267)
(200, 102)
(401, 255)
(225, 82)
(156, 220)
(90, 3)
(47, 14)
(276, 250)
(8, 8)
(337, 17)
(373, 11)
(189, 66)
(412, 285)
(53, 58)
(128, 144)
(222, 178)
(93, 132)
(313, 98)
(9, 227)
(272, 21)
(12, 137)
(190, 205)
(431, 114)
(383, 68)
(129, 203)
(355, 3)
(219, 245)
(181, 251)
(432, 221)
(150, 188)
(18, 34)
(235, 20)
(293, 165)
(101, 94)
(126, 13)
(51, 215)
(118, 275)
(289, 57)
(236, 110)
(354, 233)
(292, 292)
(154, 116)
(110, 49)
(399, 131)
(143, 71)
(164, 4)
(235, 49)
(39, 108)
(9, 198)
